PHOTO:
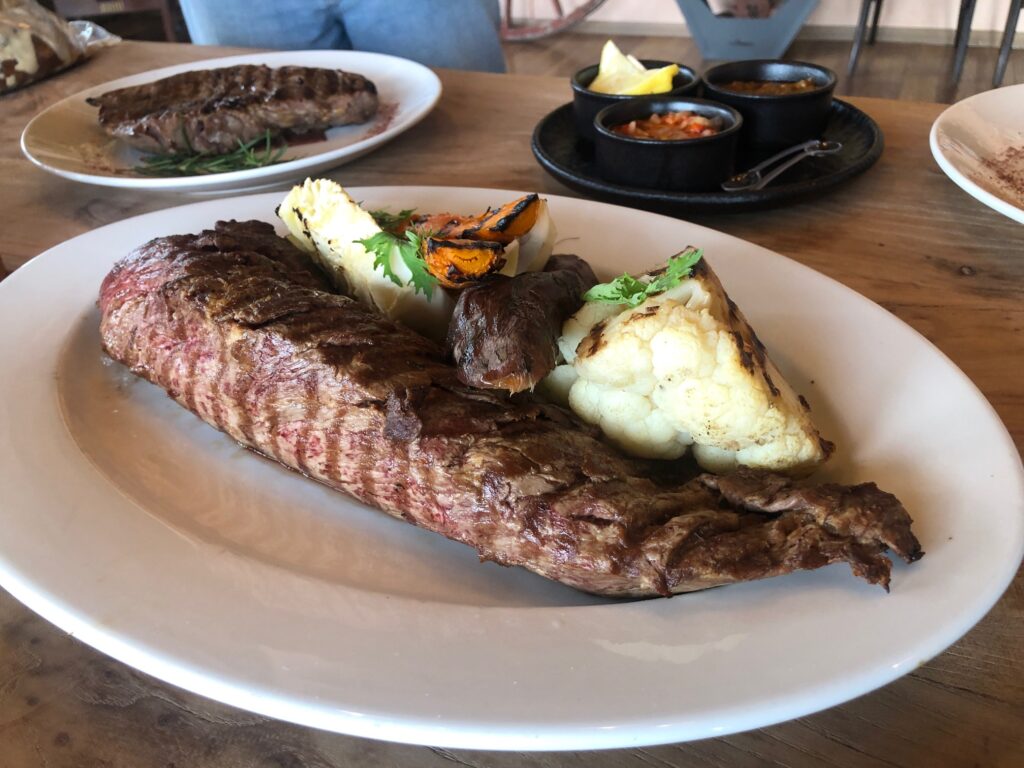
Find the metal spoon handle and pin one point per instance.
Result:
(781, 168)
(754, 179)
(784, 153)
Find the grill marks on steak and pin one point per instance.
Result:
(211, 110)
(232, 326)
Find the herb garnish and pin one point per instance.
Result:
(257, 153)
(409, 246)
(391, 221)
(626, 289)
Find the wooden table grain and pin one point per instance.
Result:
(902, 235)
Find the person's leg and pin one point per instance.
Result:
(461, 34)
(285, 24)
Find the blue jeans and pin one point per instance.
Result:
(461, 34)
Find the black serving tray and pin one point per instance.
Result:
(569, 159)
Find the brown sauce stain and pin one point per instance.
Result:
(386, 112)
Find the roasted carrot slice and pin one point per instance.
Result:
(456, 263)
(443, 225)
(500, 225)
(508, 222)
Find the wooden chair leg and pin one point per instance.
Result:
(1004, 49)
(963, 37)
(858, 36)
(874, 22)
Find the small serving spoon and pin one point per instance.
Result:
(755, 178)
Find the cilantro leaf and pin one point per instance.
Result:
(621, 290)
(626, 289)
(391, 221)
(422, 280)
(383, 244)
(380, 246)
(679, 267)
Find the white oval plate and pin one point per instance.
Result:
(150, 536)
(970, 141)
(66, 138)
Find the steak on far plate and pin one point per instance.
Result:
(212, 110)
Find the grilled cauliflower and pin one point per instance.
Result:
(681, 368)
(324, 220)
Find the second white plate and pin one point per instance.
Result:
(979, 144)
(147, 534)
(66, 138)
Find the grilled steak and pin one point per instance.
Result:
(231, 326)
(504, 331)
(212, 110)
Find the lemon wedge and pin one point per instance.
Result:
(625, 76)
(613, 60)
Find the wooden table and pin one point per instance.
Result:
(902, 234)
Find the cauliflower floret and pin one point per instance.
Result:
(578, 326)
(630, 420)
(683, 368)
(557, 384)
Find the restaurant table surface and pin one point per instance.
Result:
(902, 234)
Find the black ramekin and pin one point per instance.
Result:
(586, 103)
(775, 121)
(683, 165)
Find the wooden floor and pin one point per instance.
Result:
(910, 71)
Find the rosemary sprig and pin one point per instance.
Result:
(257, 153)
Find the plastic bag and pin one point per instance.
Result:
(35, 43)
(744, 9)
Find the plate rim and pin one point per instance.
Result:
(723, 202)
(982, 195)
(512, 737)
(238, 180)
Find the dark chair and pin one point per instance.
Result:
(862, 30)
(872, 8)
(1004, 49)
(963, 37)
